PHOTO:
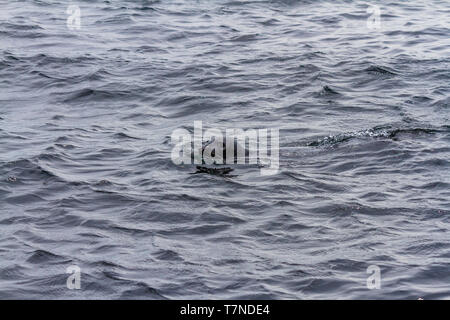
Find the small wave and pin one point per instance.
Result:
(327, 91)
(90, 95)
(42, 256)
(377, 132)
(124, 136)
(380, 70)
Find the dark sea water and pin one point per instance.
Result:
(86, 176)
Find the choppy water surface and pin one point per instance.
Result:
(85, 171)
